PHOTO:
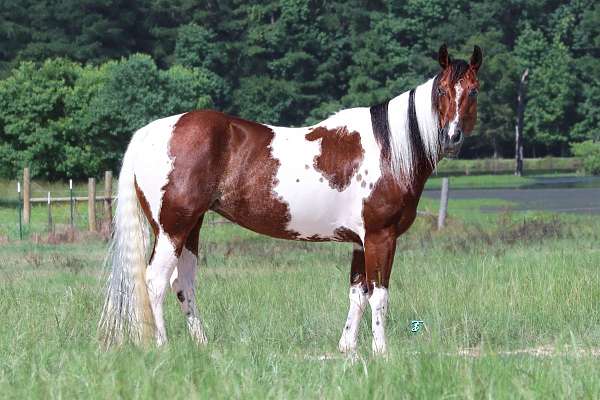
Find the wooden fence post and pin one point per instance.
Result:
(443, 204)
(26, 196)
(108, 198)
(92, 204)
(49, 213)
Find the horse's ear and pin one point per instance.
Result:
(476, 58)
(443, 57)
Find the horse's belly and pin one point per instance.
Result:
(319, 212)
(302, 214)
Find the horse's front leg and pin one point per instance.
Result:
(379, 257)
(358, 301)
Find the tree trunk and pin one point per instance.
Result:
(519, 127)
(495, 147)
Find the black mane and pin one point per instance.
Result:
(381, 127)
(418, 149)
(382, 133)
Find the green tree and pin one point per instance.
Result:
(549, 88)
(196, 47)
(32, 116)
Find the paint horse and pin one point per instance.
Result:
(355, 177)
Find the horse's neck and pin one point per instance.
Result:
(414, 135)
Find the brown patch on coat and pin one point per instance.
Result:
(357, 270)
(316, 238)
(340, 157)
(146, 210)
(210, 150)
(394, 204)
(145, 207)
(246, 191)
(344, 234)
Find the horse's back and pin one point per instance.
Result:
(295, 183)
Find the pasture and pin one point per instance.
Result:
(510, 305)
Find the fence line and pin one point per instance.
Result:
(68, 199)
(26, 200)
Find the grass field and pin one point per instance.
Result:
(510, 305)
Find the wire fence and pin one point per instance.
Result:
(62, 211)
(64, 208)
(47, 214)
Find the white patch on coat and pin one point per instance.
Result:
(454, 123)
(158, 275)
(403, 164)
(152, 162)
(358, 303)
(379, 304)
(315, 208)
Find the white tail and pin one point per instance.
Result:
(126, 313)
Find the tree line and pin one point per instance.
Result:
(78, 77)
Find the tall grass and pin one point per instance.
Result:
(274, 311)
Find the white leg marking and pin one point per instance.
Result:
(157, 279)
(183, 284)
(379, 304)
(358, 303)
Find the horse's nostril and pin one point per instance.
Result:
(457, 138)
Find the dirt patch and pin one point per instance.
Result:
(67, 235)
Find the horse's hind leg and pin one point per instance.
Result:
(183, 284)
(158, 273)
(358, 301)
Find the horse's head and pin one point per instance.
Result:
(454, 95)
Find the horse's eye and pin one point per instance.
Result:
(473, 92)
(441, 92)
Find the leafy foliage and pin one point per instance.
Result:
(589, 151)
(66, 120)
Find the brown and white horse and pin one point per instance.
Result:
(355, 177)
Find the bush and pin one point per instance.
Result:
(64, 120)
(589, 152)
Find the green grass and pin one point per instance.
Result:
(507, 165)
(480, 181)
(274, 311)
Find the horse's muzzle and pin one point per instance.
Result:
(451, 145)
